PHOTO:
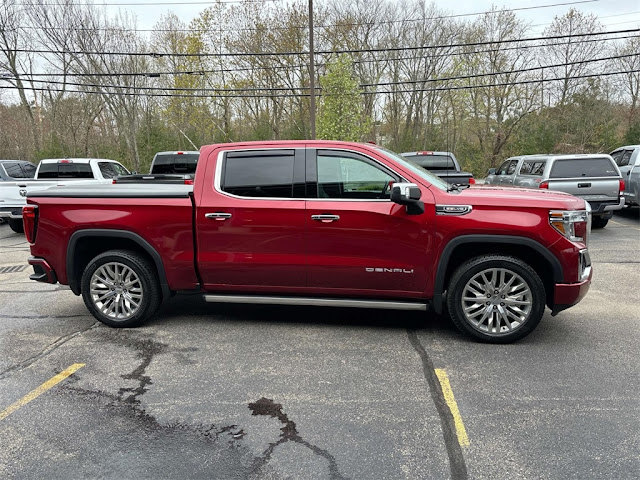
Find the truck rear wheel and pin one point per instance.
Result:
(599, 222)
(120, 289)
(16, 225)
(496, 298)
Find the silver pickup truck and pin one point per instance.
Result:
(628, 160)
(592, 177)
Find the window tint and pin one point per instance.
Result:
(14, 170)
(111, 170)
(507, 168)
(624, 158)
(583, 167)
(175, 163)
(433, 162)
(259, 174)
(533, 167)
(29, 170)
(65, 170)
(347, 177)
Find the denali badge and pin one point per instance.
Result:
(388, 270)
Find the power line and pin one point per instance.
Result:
(380, 84)
(305, 65)
(327, 52)
(281, 95)
(105, 88)
(304, 27)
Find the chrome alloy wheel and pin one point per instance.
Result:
(496, 301)
(116, 291)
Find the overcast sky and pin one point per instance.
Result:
(614, 14)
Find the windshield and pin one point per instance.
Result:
(415, 168)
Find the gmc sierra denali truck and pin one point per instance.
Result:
(315, 223)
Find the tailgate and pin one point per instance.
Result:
(595, 179)
(590, 189)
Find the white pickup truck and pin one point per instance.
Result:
(53, 172)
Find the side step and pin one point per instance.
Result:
(317, 302)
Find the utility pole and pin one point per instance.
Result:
(312, 75)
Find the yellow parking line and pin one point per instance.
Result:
(463, 439)
(624, 225)
(40, 390)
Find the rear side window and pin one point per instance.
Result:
(111, 170)
(14, 170)
(261, 173)
(533, 167)
(433, 162)
(583, 167)
(175, 163)
(65, 170)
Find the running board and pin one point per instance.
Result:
(317, 302)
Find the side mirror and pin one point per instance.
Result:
(492, 171)
(408, 194)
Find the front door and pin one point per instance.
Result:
(359, 242)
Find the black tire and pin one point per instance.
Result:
(120, 300)
(599, 222)
(508, 317)
(16, 225)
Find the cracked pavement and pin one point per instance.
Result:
(206, 391)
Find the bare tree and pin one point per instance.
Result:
(571, 53)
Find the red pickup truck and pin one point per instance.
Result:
(315, 223)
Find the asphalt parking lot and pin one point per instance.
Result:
(211, 391)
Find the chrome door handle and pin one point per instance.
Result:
(325, 218)
(220, 216)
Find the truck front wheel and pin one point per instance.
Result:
(496, 298)
(120, 289)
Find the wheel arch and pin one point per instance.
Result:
(462, 248)
(86, 244)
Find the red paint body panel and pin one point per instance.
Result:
(164, 223)
(273, 245)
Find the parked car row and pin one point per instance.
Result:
(595, 178)
(48, 173)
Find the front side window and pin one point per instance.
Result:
(352, 178)
(507, 168)
(259, 174)
(111, 170)
(29, 170)
(625, 158)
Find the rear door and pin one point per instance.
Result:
(359, 242)
(250, 223)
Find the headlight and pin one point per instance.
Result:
(572, 224)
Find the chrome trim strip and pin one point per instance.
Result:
(318, 302)
(218, 173)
